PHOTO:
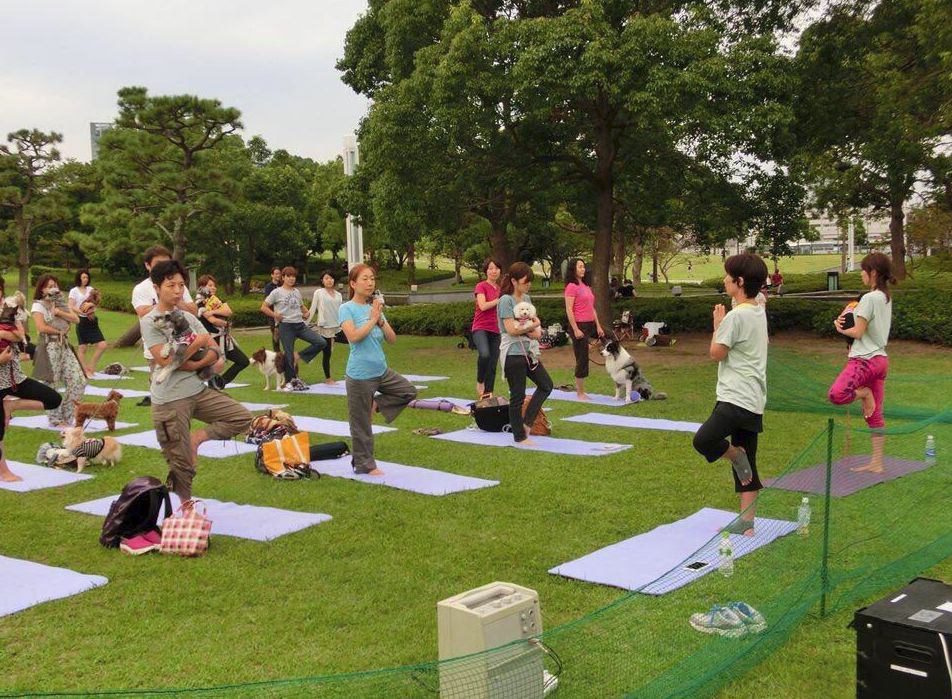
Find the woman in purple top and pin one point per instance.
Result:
(583, 323)
(486, 328)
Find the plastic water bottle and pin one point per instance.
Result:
(726, 552)
(930, 450)
(803, 517)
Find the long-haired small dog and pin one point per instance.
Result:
(89, 306)
(270, 364)
(178, 335)
(97, 450)
(108, 410)
(11, 311)
(626, 374)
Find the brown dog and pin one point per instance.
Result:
(270, 364)
(108, 410)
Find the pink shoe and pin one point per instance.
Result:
(153, 537)
(137, 545)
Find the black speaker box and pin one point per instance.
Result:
(904, 644)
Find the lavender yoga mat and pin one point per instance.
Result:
(645, 423)
(654, 563)
(413, 478)
(263, 406)
(325, 389)
(41, 422)
(337, 428)
(230, 518)
(594, 398)
(39, 477)
(26, 584)
(554, 445)
(99, 376)
(844, 481)
(126, 392)
(423, 377)
(215, 450)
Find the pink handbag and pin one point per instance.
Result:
(187, 532)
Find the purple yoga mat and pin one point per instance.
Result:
(844, 481)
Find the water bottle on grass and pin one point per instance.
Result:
(803, 517)
(726, 554)
(930, 450)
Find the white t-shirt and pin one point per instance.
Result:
(143, 294)
(742, 374)
(79, 298)
(40, 307)
(878, 314)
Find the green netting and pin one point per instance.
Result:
(798, 383)
(642, 646)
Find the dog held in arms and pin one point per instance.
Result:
(271, 364)
(108, 410)
(626, 374)
(178, 335)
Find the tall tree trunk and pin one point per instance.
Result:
(897, 239)
(601, 255)
(618, 256)
(411, 264)
(654, 266)
(639, 261)
(458, 265)
(499, 243)
(178, 240)
(23, 253)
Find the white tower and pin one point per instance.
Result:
(355, 234)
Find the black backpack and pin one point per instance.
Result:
(136, 511)
(331, 450)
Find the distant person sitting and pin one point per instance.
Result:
(627, 290)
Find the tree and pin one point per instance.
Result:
(28, 178)
(874, 105)
(930, 229)
(611, 82)
(156, 166)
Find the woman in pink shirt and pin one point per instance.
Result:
(486, 328)
(583, 323)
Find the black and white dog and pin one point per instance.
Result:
(626, 374)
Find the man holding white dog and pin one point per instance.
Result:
(183, 395)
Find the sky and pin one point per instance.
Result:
(61, 64)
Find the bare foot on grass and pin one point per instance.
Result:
(375, 472)
(8, 476)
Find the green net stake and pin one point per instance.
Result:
(825, 561)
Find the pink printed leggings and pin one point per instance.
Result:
(860, 373)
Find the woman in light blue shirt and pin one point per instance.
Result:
(371, 385)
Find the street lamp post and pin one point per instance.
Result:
(355, 234)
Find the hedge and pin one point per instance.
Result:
(916, 316)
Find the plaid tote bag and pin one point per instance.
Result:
(186, 532)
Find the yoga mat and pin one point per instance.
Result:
(216, 450)
(422, 377)
(143, 369)
(126, 392)
(230, 518)
(237, 385)
(41, 422)
(26, 584)
(99, 376)
(844, 481)
(554, 445)
(39, 477)
(326, 389)
(594, 398)
(461, 402)
(413, 478)
(654, 563)
(337, 428)
(645, 423)
(264, 406)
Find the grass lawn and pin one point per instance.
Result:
(359, 592)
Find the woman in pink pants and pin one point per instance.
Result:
(864, 376)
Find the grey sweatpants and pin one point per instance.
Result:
(395, 393)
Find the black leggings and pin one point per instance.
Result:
(517, 370)
(580, 346)
(30, 389)
(326, 356)
(239, 363)
(742, 426)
